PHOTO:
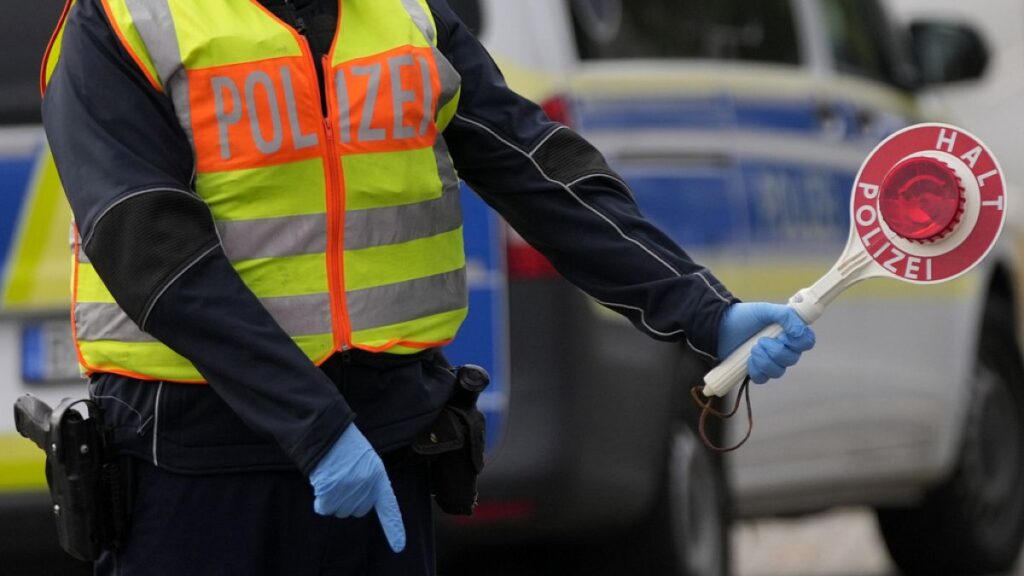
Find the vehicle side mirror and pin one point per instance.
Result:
(947, 52)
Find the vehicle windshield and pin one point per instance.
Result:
(747, 30)
(863, 42)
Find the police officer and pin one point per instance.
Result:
(268, 258)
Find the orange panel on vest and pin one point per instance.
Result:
(255, 114)
(386, 102)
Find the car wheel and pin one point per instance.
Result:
(687, 532)
(974, 522)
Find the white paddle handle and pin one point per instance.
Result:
(733, 369)
(809, 303)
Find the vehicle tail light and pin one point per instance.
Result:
(498, 512)
(559, 109)
(922, 199)
(524, 261)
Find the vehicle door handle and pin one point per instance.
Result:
(830, 119)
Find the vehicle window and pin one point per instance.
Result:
(863, 42)
(23, 37)
(753, 30)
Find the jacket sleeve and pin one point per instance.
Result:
(126, 166)
(556, 190)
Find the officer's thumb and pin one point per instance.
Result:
(390, 517)
(792, 324)
(797, 334)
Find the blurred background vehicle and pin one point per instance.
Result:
(740, 125)
(34, 280)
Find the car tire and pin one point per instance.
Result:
(687, 531)
(973, 523)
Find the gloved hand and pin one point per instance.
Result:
(770, 357)
(350, 479)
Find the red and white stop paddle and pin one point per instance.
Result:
(928, 205)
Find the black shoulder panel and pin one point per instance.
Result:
(143, 241)
(565, 156)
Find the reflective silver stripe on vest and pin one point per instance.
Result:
(396, 224)
(153, 20)
(297, 315)
(101, 321)
(450, 79)
(155, 24)
(423, 20)
(405, 301)
(178, 89)
(273, 237)
(371, 227)
(445, 167)
(75, 242)
(242, 240)
(301, 315)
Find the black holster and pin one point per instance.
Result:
(90, 486)
(454, 445)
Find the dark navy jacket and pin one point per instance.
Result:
(267, 405)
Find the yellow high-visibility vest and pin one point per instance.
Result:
(347, 226)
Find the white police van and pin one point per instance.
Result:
(740, 125)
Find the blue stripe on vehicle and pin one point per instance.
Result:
(750, 203)
(695, 207)
(707, 113)
(798, 116)
(806, 207)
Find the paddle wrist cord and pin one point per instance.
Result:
(706, 409)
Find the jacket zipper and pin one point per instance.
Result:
(335, 211)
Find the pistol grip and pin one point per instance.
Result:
(32, 419)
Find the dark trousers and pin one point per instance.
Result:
(263, 523)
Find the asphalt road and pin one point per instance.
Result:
(839, 543)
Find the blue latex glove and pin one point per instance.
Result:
(770, 357)
(350, 479)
